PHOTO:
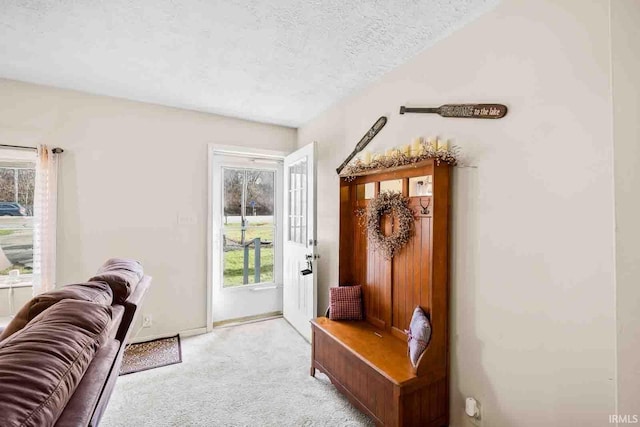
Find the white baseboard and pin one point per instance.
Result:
(183, 334)
(192, 332)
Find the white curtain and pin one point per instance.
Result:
(44, 217)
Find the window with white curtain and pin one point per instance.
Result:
(17, 196)
(28, 205)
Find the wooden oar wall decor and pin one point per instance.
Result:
(466, 111)
(371, 133)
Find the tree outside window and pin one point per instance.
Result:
(17, 185)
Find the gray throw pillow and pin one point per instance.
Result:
(418, 335)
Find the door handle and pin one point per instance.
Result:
(309, 269)
(310, 258)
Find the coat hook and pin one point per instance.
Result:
(425, 209)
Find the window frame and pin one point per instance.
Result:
(20, 160)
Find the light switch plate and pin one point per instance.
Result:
(187, 219)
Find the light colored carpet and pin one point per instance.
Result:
(249, 375)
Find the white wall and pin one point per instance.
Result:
(532, 289)
(625, 33)
(128, 171)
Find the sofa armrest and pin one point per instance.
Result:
(84, 400)
(132, 308)
(135, 299)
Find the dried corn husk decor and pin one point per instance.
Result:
(398, 158)
(388, 203)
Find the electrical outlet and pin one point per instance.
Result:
(473, 411)
(147, 321)
(477, 420)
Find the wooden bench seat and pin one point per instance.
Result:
(375, 347)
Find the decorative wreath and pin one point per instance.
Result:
(394, 204)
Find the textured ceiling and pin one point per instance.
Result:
(278, 61)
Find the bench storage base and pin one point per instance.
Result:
(418, 401)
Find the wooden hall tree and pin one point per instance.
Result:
(367, 360)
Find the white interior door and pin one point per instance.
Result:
(246, 236)
(299, 239)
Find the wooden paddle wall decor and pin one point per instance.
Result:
(466, 111)
(371, 133)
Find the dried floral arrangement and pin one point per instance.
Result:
(388, 203)
(398, 158)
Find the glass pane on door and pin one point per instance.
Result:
(259, 253)
(297, 214)
(232, 194)
(249, 226)
(260, 226)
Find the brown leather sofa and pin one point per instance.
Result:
(61, 354)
